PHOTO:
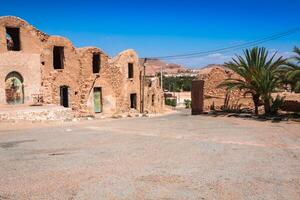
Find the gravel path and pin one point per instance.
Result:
(170, 157)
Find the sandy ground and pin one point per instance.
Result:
(169, 157)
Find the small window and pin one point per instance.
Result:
(58, 57)
(133, 101)
(130, 70)
(96, 63)
(13, 39)
(153, 99)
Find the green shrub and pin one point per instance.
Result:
(276, 104)
(177, 84)
(171, 102)
(187, 103)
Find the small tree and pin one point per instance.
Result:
(293, 75)
(259, 75)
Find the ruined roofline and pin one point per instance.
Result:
(91, 49)
(119, 56)
(130, 52)
(23, 22)
(62, 38)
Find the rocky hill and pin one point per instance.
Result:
(153, 66)
(207, 69)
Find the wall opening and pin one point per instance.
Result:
(97, 100)
(153, 99)
(58, 57)
(96, 63)
(64, 96)
(130, 70)
(13, 39)
(133, 101)
(14, 88)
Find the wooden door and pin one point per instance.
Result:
(97, 100)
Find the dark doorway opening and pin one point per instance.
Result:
(97, 100)
(58, 57)
(130, 70)
(13, 39)
(133, 101)
(153, 99)
(96, 63)
(64, 96)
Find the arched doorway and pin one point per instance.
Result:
(14, 89)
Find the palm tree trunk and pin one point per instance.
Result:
(267, 106)
(255, 98)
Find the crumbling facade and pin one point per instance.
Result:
(219, 97)
(154, 96)
(126, 80)
(36, 68)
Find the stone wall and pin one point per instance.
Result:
(26, 61)
(291, 101)
(53, 79)
(34, 62)
(45, 113)
(31, 38)
(213, 95)
(154, 96)
(121, 84)
(28, 66)
(89, 80)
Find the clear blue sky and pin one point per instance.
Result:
(158, 28)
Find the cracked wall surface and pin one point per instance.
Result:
(154, 96)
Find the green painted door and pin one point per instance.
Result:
(97, 100)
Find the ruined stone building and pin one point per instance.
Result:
(39, 68)
(154, 96)
(218, 96)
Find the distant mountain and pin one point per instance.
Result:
(153, 66)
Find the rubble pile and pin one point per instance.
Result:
(42, 114)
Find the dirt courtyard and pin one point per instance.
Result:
(177, 156)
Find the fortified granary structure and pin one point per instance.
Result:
(36, 68)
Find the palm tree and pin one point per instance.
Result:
(258, 75)
(293, 76)
(268, 79)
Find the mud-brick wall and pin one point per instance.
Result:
(216, 95)
(154, 97)
(90, 80)
(121, 84)
(53, 79)
(28, 66)
(31, 39)
(25, 61)
(34, 62)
